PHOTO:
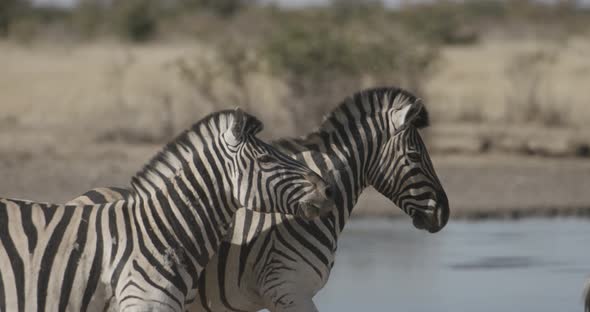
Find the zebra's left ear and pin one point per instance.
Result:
(407, 113)
(235, 132)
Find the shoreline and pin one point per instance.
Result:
(479, 187)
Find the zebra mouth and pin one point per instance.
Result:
(426, 222)
(308, 210)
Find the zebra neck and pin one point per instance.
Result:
(184, 221)
(342, 158)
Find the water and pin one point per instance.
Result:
(532, 265)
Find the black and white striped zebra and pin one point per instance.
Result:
(147, 251)
(279, 262)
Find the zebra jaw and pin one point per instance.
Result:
(309, 210)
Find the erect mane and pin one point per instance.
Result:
(356, 103)
(166, 163)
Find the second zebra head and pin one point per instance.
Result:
(266, 179)
(404, 171)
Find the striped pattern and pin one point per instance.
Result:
(278, 262)
(147, 251)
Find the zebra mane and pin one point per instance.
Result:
(171, 160)
(364, 102)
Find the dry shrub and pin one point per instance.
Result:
(528, 101)
(322, 63)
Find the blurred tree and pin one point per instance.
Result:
(11, 10)
(88, 16)
(136, 19)
(221, 7)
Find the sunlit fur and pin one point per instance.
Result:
(147, 251)
(278, 262)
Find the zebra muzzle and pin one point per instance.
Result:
(311, 210)
(428, 221)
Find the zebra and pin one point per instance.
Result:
(279, 262)
(147, 251)
(586, 295)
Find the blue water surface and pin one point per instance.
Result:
(530, 265)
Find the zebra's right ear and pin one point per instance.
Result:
(235, 132)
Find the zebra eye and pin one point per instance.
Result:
(266, 158)
(414, 156)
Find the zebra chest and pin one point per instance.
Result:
(157, 282)
(292, 269)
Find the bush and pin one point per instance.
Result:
(10, 10)
(443, 22)
(137, 19)
(323, 55)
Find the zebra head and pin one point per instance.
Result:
(404, 171)
(267, 180)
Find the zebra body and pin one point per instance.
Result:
(278, 262)
(147, 251)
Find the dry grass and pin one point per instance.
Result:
(156, 90)
(490, 81)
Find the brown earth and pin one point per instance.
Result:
(45, 167)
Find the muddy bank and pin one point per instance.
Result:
(52, 168)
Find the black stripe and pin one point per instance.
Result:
(113, 232)
(15, 259)
(95, 269)
(222, 256)
(203, 290)
(2, 295)
(96, 197)
(28, 226)
(128, 244)
(48, 213)
(74, 258)
(49, 256)
(244, 250)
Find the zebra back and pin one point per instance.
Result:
(101, 195)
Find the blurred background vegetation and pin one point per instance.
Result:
(91, 89)
(163, 63)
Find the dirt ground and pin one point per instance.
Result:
(45, 167)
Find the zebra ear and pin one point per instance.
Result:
(235, 133)
(408, 113)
